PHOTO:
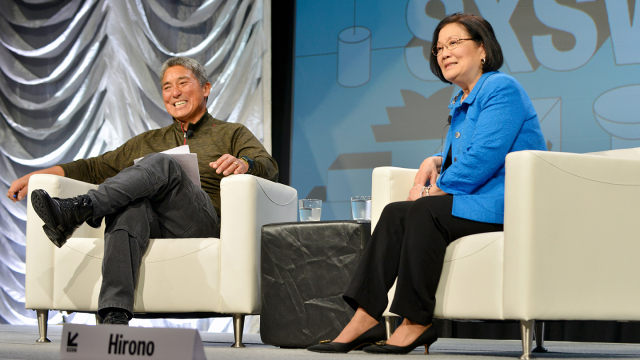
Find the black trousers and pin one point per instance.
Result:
(409, 242)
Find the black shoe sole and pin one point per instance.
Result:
(337, 348)
(44, 211)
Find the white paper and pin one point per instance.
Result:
(183, 149)
(188, 162)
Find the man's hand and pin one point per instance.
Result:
(228, 164)
(19, 188)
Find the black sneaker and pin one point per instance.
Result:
(116, 318)
(61, 216)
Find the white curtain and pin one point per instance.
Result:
(80, 77)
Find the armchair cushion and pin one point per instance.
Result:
(471, 281)
(177, 275)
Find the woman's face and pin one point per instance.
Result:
(462, 65)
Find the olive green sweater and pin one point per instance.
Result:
(211, 139)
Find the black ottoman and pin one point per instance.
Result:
(306, 266)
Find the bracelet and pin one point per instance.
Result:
(425, 189)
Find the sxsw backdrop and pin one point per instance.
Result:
(364, 95)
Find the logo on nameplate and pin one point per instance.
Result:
(72, 346)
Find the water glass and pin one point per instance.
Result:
(310, 209)
(361, 207)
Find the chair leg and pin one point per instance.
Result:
(43, 317)
(539, 333)
(390, 325)
(526, 331)
(238, 327)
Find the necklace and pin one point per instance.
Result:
(453, 102)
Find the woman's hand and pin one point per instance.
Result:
(429, 171)
(414, 193)
(419, 191)
(436, 191)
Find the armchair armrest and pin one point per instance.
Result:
(39, 257)
(571, 237)
(633, 153)
(248, 202)
(389, 184)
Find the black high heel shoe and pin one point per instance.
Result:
(369, 337)
(428, 337)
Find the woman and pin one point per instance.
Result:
(456, 193)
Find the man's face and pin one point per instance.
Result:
(183, 96)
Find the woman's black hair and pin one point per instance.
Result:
(480, 31)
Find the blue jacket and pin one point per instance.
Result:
(495, 119)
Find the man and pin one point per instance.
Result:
(154, 198)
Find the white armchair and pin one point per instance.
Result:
(206, 275)
(569, 250)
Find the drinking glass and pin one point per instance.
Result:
(361, 207)
(310, 209)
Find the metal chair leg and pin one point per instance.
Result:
(390, 325)
(539, 333)
(526, 331)
(43, 317)
(238, 327)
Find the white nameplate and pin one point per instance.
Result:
(124, 342)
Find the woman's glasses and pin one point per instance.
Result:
(450, 44)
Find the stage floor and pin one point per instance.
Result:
(18, 342)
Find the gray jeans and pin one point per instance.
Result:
(152, 199)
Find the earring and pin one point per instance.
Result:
(482, 61)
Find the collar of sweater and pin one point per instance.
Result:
(205, 119)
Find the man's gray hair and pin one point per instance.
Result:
(192, 65)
